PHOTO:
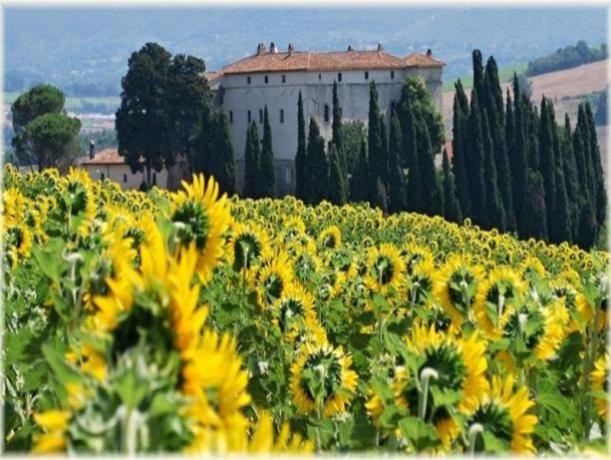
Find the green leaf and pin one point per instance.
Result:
(421, 434)
(63, 371)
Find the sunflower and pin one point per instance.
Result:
(306, 264)
(201, 216)
(90, 361)
(18, 242)
(456, 286)
(54, 424)
(599, 379)
(385, 268)
(247, 246)
(274, 276)
(293, 310)
(504, 414)
(262, 440)
(330, 238)
(421, 283)
(322, 375)
(495, 300)
(412, 254)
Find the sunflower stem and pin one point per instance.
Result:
(475, 430)
(425, 377)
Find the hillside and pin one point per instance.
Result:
(567, 88)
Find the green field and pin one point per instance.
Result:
(467, 80)
(79, 104)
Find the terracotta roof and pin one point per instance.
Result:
(212, 76)
(325, 61)
(106, 157)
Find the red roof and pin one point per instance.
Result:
(325, 61)
(106, 157)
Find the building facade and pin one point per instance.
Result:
(273, 79)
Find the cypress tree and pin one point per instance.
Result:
(317, 170)
(337, 185)
(580, 161)
(532, 135)
(599, 192)
(359, 183)
(561, 214)
(451, 205)
(571, 177)
(221, 163)
(396, 180)
(534, 220)
(431, 195)
(494, 215)
(476, 159)
(375, 146)
(266, 177)
(414, 198)
(300, 157)
(251, 161)
(518, 161)
(494, 104)
(384, 171)
(587, 227)
(547, 163)
(582, 126)
(337, 129)
(459, 160)
(478, 75)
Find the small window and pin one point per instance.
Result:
(320, 76)
(231, 116)
(125, 178)
(266, 79)
(339, 76)
(326, 113)
(260, 115)
(281, 116)
(283, 78)
(249, 116)
(248, 80)
(366, 75)
(102, 176)
(392, 74)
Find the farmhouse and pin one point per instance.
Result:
(273, 78)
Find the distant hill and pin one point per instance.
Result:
(85, 50)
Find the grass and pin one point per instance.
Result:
(505, 75)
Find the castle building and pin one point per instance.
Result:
(272, 78)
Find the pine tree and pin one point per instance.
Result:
(451, 205)
(300, 157)
(599, 192)
(251, 161)
(359, 183)
(317, 170)
(459, 159)
(337, 185)
(221, 163)
(547, 162)
(494, 215)
(476, 158)
(396, 180)
(266, 177)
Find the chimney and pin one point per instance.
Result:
(429, 53)
(380, 47)
(350, 48)
(260, 48)
(291, 49)
(272, 48)
(91, 149)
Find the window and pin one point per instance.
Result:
(283, 78)
(326, 113)
(320, 76)
(392, 74)
(231, 116)
(248, 80)
(266, 79)
(260, 115)
(102, 176)
(249, 117)
(125, 178)
(339, 76)
(281, 116)
(366, 75)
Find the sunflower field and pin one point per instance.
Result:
(192, 322)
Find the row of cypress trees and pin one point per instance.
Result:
(517, 170)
